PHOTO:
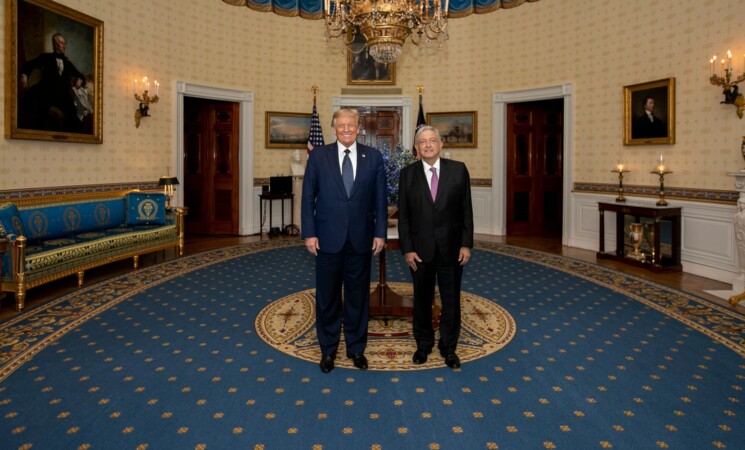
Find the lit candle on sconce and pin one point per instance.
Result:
(144, 97)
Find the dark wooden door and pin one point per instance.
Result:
(380, 129)
(535, 154)
(211, 166)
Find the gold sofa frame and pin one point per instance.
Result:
(19, 286)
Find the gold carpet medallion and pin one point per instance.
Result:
(288, 325)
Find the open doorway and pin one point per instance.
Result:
(380, 126)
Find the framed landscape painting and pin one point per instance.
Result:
(457, 129)
(649, 113)
(54, 73)
(287, 130)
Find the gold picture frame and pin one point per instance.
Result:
(457, 129)
(65, 108)
(286, 130)
(362, 69)
(658, 98)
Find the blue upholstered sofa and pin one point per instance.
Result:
(53, 237)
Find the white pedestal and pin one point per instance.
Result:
(297, 189)
(738, 284)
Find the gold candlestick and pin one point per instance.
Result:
(661, 172)
(620, 171)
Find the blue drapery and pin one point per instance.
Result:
(313, 9)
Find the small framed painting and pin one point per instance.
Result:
(363, 69)
(287, 130)
(649, 113)
(457, 129)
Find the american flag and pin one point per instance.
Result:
(419, 123)
(316, 135)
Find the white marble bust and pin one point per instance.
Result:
(296, 164)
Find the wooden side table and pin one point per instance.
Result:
(270, 198)
(656, 262)
(383, 300)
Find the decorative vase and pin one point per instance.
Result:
(635, 232)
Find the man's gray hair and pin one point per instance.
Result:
(424, 128)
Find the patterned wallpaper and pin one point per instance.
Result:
(596, 45)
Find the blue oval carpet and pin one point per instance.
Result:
(189, 354)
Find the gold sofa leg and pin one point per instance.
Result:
(136, 260)
(735, 299)
(19, 271)
(81, 275)
(180, 230)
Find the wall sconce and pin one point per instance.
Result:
(145, 100)
(732, 95)
(169, 190)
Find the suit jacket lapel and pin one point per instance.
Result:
(421, 181)
(332, 159)
(443, 178)
(362, 166)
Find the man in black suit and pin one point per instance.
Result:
(435, 227)
(344, 222)
(49, 105)
(647, 125)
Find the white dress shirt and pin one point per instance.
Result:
(352, 155)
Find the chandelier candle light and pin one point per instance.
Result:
(661, 171)
(620, 170)
(386, 24)
(732, 95)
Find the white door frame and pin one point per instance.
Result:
(245, 144)
(499, 152)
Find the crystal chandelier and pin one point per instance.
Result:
(386, 24)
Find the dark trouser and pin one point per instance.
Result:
(352, 270)
(448, 276)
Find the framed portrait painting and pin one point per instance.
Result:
(363, 69)
(287, 130)
(457, 129)
(53, 73)
(649, 113)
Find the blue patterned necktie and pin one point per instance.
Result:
(347, 173)
(434, 183)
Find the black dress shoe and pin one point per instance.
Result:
(452, 360)
(420, 356)
(327, 363)
(359, 360)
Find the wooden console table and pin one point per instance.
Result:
(658, 263)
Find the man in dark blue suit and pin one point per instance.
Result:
(343, 213)
(435, 228)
